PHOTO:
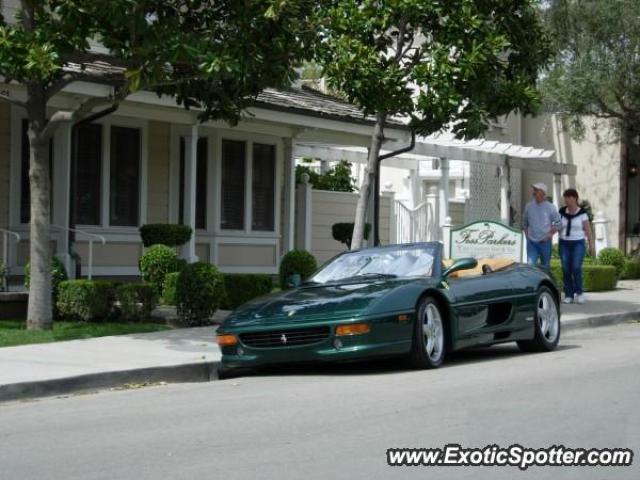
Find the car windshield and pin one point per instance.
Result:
(385, 262)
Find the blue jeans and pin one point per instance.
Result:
(572, 253)
(539, 250)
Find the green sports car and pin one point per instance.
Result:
(397, 300)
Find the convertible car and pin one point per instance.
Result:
(397, 300)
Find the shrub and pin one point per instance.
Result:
(596, 278)
(156, 263)
(165, 234)
(612, 256)
(343, 232)
(136, 301)
(3, 276)
(169, 288)
(58, 275)
(199, 292)
(240, 288)
(298, 262)
(631, 270)
(86, 300)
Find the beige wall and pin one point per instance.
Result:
(597, 158)
(111, 254)
(334, 207)
(240, 255)
(158, 168)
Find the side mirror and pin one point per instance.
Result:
(294, 280)
(460, 264)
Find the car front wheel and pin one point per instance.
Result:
(546, 324)
(429, 335)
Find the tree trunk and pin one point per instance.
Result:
(370, 173)
(39, 314)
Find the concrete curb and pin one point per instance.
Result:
(199, 372)
(191, 372)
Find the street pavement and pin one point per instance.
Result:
(338, 421)
(190, 355)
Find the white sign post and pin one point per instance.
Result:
(486, 239)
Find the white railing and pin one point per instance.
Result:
(91, 237)
(5, 244)
(414, 224)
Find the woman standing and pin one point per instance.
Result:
(575, 229)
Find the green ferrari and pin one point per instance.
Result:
(396, 300)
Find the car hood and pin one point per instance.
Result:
(306, 303)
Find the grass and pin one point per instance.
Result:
(14, 332)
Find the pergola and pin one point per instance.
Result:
(443, 147)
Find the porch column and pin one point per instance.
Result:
(62, 194)
(443, 193)
(504, 195)
(190, 172)
(288, 235)
(557, 186)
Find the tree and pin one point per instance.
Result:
(457, 63)
(596, 71)
(213, 55)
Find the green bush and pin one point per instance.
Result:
(58, 275)
(3, 276)
(343, 232)
(169, 288)
(631, 270)
(199, 292)
(156, 263)
(612, 256)
(240, 288)
(165, 234)
(596, 278)
(135, 301)
(86, 300)
(298, 262)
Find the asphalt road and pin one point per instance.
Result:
(337, 422)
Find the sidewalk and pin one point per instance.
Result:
(191, 355)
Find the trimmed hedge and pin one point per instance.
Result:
(298, 262)
(343, 232)
(135, 301)
(199, 293)
(85, 300)
(169, 288)
(165, 234)
(156, 263)
(631, 269)
(612, 256)
(58, 275)
(596, 278)
(240, 288)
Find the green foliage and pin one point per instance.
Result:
(298, 262)
(612, 256)
(3, 276)
(135, 301)
(596, 278)
(165, 234)
(336, 179)
(199, 293)
(169, 288)
(342, 232)
(631, 270)
(595, 69)
(241, 287)
(58, 275)
(86, 300)
(481, 59)
(156, 263)
(586, 206)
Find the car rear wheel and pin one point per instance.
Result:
(546, 324)
(429, 335)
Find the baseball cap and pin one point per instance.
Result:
(540, 186)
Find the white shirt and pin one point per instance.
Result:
(577, 230)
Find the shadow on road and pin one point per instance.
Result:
(498, 353)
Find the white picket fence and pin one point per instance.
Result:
(415, 224)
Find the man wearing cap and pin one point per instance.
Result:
(540, 221)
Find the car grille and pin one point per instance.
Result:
(285, 338)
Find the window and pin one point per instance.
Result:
(263, 188)
(124, 191)
(87, 168)
(233, 184)
(201, 183)
(25, 186)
